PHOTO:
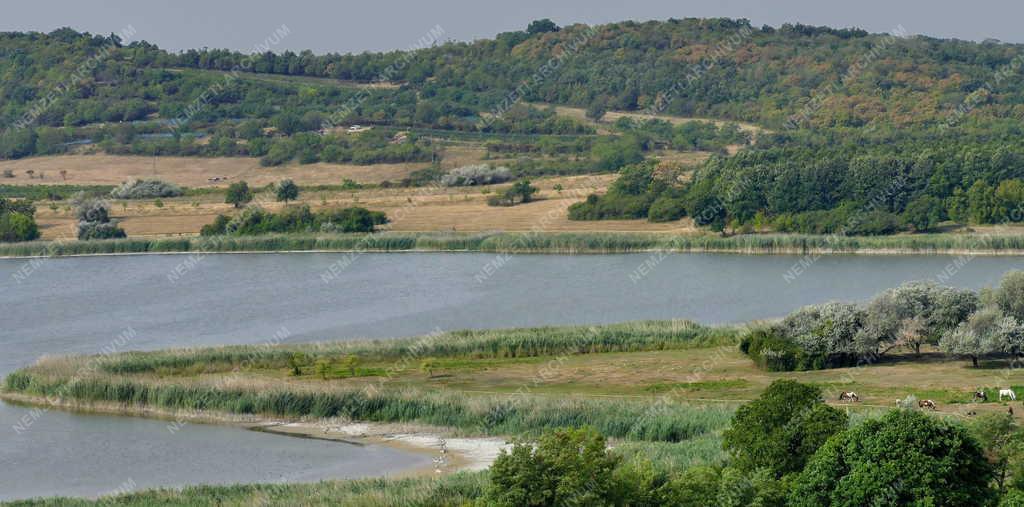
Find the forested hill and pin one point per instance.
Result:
(711, 68)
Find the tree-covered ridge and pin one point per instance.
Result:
(762, 74)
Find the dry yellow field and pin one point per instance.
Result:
(462, 209)
(192, 171)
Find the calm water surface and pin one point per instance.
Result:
(81, 305)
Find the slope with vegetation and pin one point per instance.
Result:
(867, 133)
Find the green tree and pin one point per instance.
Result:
(1010, 200)
(1002, 443)
(924, 213)
(541, 26)
(596, 110)
(287, 190)
(781, 429)
(323, 368)
(566, 467)
(296, 361)
(428, 366)
(981, 203)
(1009, 296)
(238, 194)
(904, 458)
(17, 227)
(350, 363)
(978, 336)
(524, 190)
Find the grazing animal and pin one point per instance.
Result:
(971, 413)
(980, 396)
(1008, 393)
(926, 404)
(848, 396)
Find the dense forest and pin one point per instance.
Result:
(865, 133)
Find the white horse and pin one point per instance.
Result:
(1008, 393)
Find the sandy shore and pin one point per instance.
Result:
(459, 453)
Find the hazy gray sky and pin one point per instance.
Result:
(346, 26)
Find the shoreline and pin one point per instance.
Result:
(462, 453)
(894, 252)
(541, 243)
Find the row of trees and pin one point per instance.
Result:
(827, 191)
(786, 448)
(960, 322)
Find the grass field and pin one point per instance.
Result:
(460, 209)
(608, 370)
(662, 390)
(194, 172)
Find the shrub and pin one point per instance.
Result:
(771, 352)
(255, 220)
(146, 189)
(99, 230)
(479, 174)
(520, 192)
(94, 219)
(904, 458)
(218, 226)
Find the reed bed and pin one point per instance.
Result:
(528, 416)
(460, 488)
(455, 489)
(541, 242)
(467, 344)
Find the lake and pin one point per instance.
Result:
(86, 305)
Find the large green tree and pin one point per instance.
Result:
(781, 429)
(238, 194)
(566, 467)
(904, 458)
(287, 190)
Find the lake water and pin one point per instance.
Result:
(86, 305)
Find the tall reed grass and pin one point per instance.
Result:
(569, 243)
(455, 489)
(467, 344)
(469, 415)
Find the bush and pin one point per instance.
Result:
(771, 352)
(297, 219)
(480, 174)
(94, 219)
(146, 189)
(99, 230)
(520, 192)
(218, 226)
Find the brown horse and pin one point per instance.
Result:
(848, 396)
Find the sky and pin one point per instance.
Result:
(355, 26)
